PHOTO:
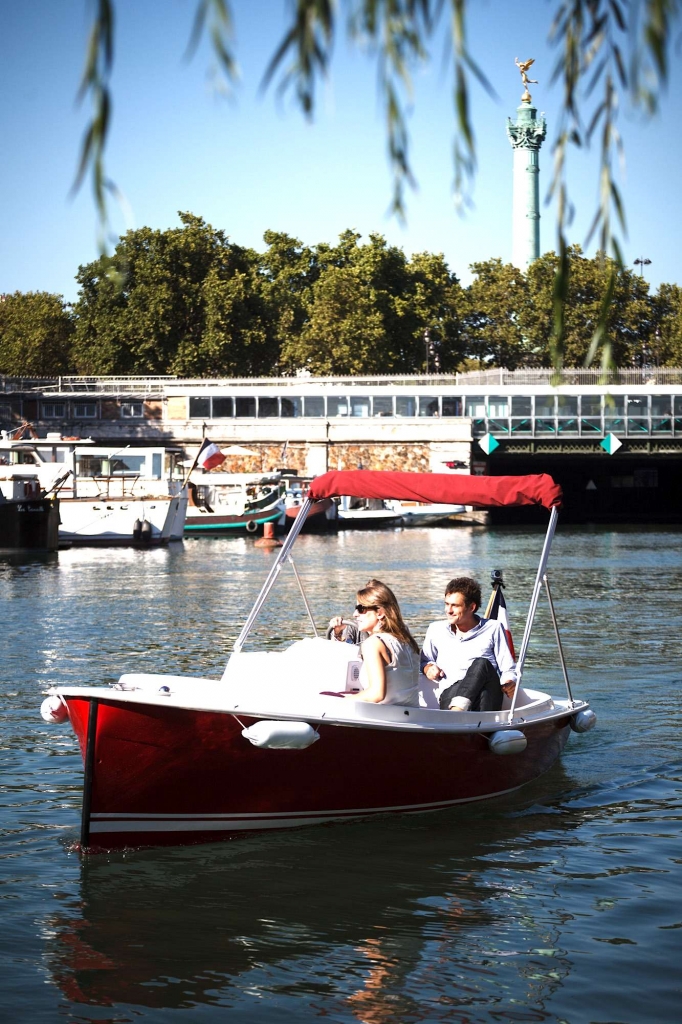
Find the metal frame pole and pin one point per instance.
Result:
(273, 574)
(551, 527)
(558, 638)
(303, 595)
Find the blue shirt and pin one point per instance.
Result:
(454, 652)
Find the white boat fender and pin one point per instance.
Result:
(507, 741)
(251, 526)
(272, 735)
(583, 721)
(53, 710)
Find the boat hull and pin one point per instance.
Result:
(176, 776)
(216, 523)
(321, 518)
(111, 521)
(29, 524)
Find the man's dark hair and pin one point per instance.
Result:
(468, 588)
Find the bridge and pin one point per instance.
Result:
(613, 440)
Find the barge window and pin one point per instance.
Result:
(382, 406)
(53, 410)
(199, 408)
(245, 407)
(405, 406)
(291, 406)
(474, 405)
(267, 407)
(590, 405)
(521, 405)
(359, 405)
(637, 406)
(85, 410)
(122, 465)
(337, 406)
(223, 408)
(660, 405)
(568, 405)
(452, 406)
(428, 406)
(132, 410)
(313, 405)
(544, 405)
(498, 405)
(522, 414)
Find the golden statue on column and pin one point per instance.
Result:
(523, 66)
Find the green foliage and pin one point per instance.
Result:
(190, 302)
(35, 335)
(369, 307)
(182, 301)
(495, 305)
(665, 344)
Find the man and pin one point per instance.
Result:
(466, 655)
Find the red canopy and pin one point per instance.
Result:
(453, 488)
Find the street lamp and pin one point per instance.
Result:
(642, 262)
(430, 351)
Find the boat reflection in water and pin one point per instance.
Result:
(371, 922)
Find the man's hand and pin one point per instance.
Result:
(432, 672)
(337, 624)
(508, 688)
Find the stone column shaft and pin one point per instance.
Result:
(526, 135)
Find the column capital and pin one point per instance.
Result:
(528, 131)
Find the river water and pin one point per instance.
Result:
(559, 903)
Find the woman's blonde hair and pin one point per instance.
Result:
(377, 593)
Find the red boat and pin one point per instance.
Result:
(176, 759)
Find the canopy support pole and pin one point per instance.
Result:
(305, 599)
(281, 559)
(544, 557)
(558, 638)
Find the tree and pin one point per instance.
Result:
(494, 307)
(367, 310)
(35, 335)
(666, 344)
(629, 317)
(184, 300)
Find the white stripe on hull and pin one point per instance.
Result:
(122, 822)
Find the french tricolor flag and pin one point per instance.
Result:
(209, 455)
(498, 610)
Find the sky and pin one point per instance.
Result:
(253, 162)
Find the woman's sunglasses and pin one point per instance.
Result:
(362, 608)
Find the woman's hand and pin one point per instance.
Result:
(337, 624)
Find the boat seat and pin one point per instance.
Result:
(311, 666)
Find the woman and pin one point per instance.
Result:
(390, 655)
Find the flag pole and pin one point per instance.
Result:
(194, 464)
